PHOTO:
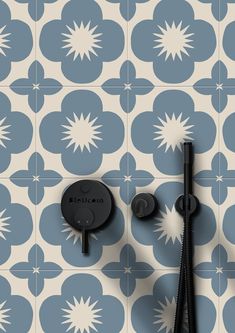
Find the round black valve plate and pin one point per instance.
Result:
(143, 205)
(87, 204)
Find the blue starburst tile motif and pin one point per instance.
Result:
(16, 40)
(58, 233)
(82, 63)
(155, 312)
(173, 111)
(194, 41)
(82, 132)
(82, 294)
(163, 233)
(12, 233)
(12, 309)
(12, 125)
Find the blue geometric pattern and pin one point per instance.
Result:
(149, 311)
(172, 108)
(110, 90)
(75, 291)
(173, 64)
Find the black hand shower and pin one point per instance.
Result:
(186, 205)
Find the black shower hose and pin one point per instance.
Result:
(186, 205)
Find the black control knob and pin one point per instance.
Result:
(143, 205)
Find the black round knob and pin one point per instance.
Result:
(143, 205)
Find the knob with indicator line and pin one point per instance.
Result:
(144, 205)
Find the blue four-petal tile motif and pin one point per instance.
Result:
(82, 62)
(219, 178)
(36, 86)
(127, 86)
(127, 178)
(164, 232)
(82, 294)
(127, 270)
(16, 40)
(57, 232)
(173, 112)
(219, 86)
(219, 270)
(194, 41)
(156, 312)
(16, 224)
(36, 178)
(16, 313)
(36, 7)
(16, 132)
(36, 270)
(82, 132)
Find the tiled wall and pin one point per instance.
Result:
(109, 90)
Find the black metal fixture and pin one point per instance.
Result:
(186, 206)
(144, 205)
(86, 205)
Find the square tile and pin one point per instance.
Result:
(16, 303)
(17, 35)
(171, 43)
(17, 225)
(162, 120)
(158, 240)
(152, 305)
(59, 30)
(91, 294)
(81, 132)
(61, 243)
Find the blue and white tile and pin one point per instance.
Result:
(16, 302)
(91, 294)
(17, 224)
(91, 63)
(81, 132)
(158, 241)
(162, 120)
(61, 243)
(17, 128)
(17, 41)
(172, 43)
(152, 306)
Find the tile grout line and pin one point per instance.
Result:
(219, 149)
(36, 187)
